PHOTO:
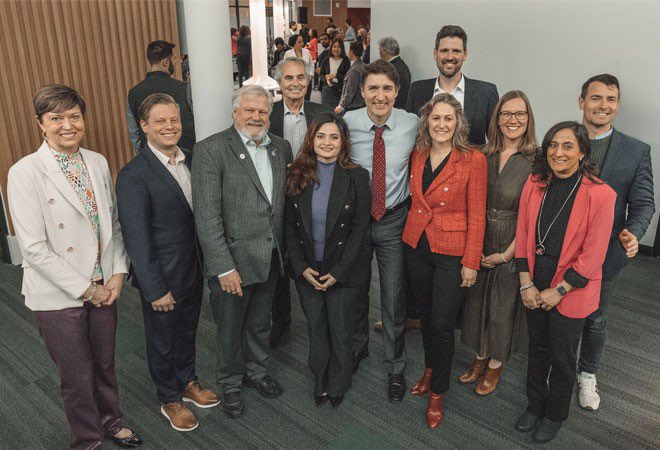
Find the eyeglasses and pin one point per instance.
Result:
(520, 115)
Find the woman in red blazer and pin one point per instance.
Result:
(444, 234)
(564, 226)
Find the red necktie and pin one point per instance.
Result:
(378, 176)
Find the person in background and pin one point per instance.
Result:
(304, 32)
(154, 199)
(234, 37)
(564, 225)
(366, 54)
(624, 163)
(493, 313)
(278, 53)
(62, 205)
(327, 214)
(351, 97)
(290, 31)
(313, 45)
(361, 35)
(333, 71)
(444, 236)
(324, 42)
(349, 36)
(243, 54)
(298, 50)
(388, 49)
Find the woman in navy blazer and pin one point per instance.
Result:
(327, 213)
(564, 225)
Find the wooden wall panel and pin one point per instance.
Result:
(97, 47)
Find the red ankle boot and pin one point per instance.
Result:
(434, 411)
(423, 386)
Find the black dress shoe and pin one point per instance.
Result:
(546, 430)
(357, 357)
(266, 386)
(277, 333)
(232, 404)
(527, 422)
(396, 387)
(131, 441)
(336, 401)
(321, 399)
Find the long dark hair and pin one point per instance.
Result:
(303, 170)
(340, 41)
(541, 168)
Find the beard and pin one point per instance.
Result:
(452, 72)
(254, 135)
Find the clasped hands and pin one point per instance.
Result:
(546, 300)
(323, 283)
(105, 295)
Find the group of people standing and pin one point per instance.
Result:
(486, 238)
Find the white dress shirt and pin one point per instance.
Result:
(458, 92)
(177, 167)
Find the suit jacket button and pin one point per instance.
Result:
(442, 204)
(297, 224)
(419, 211)
(339, 243)
(71, 249)
(301, 242)
(446, 189)
(341, 226)
(346, 207)
(51, 201)
(60, 226)
(295, 205)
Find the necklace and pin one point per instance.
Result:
(540, 248)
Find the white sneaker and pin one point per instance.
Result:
(588, 397)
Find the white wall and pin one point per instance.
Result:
(547, 49)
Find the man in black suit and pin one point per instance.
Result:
(154, 200)
(389, 50)
(478, 98)
(324, 42)
(624, 163)
(289, 120)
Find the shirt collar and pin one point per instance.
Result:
(459, 87)
(246, 139)
(288, 111)
(605, 135)
(369, 124)
(178, 157)
(393, 58)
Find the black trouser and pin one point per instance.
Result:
(171, 343)
(281, 308)
(436, 283)
(243, 66)
(553, 343)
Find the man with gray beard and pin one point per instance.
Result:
(238, 200)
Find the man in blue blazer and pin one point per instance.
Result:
(154, 198)
(624, 164)
(478, 98)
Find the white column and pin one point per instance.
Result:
(259, 50)
(211, 74)
(279, 24)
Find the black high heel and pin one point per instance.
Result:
(321, 399)
(336, 401)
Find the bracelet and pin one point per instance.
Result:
(91, 296)
(524, 287)
(502, 258)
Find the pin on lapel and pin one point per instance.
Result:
(274, 152)
(242, 155)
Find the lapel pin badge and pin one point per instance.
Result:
(274, 152)
(242, 155)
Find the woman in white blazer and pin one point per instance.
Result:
(63, 210)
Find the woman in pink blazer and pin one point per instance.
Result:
(564, 226)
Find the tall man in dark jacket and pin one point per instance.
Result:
(389, 51)
(162, 59)
(238, 197)
(154, 200)
(478, 98)
(624, 163)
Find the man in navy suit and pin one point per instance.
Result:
(624, 163)
(154, 200)
(478, 98)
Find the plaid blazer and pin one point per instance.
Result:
(453, 210)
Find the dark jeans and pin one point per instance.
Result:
(593, 334)
(81, 343)
(243, 65)
(553, 343)
(171, 343)
(436, 283)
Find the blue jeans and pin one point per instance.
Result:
(593, 333)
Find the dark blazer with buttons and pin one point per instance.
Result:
(158, 228)
(349, 210)
(312, 110)
(627, 169)
(480, 100)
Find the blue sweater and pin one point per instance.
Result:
(320, 198)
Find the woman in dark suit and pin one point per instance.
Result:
(564, 225)
(327, 213)
(333, 71)
(243, 54)
(444, 234)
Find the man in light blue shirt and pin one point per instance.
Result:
(350, 32)
(371, 128)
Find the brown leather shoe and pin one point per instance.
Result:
(378, 326)
(473, 373)
(488, 381)
(423, 386)
(413, 325)
(434, 411)
(180, 416)
(200, 397)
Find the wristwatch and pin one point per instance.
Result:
(561, 290)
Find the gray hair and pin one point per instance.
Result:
(389, 45)
(251, 90)
(280, 66)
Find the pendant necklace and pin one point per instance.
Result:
(540, 248)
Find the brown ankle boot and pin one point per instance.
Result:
(488, 381)
(473, 373)
(423, 386)
(434, 412)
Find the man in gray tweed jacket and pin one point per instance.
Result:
(238, 180)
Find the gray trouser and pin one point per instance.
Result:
(243, 330)
(384, 237)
